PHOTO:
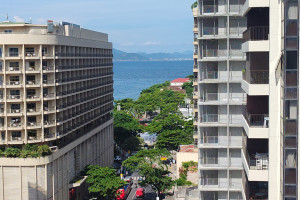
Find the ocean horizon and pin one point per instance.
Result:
(131, 77)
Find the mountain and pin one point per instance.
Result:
(140, 56)
(186, 55)
(122, 56)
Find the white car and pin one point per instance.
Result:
(118, 158)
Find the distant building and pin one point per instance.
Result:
(56, 88)
(179, 82)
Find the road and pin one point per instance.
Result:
(149, 193)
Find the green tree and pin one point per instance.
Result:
(131, 144)
(163, 123)
(189, 89)
(125, 126)
(150, 166)
(171, 139)
(104, 182)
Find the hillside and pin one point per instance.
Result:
(124, 56)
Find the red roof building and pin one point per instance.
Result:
(179, 81)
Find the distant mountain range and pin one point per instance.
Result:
(140, 56)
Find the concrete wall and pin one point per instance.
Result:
(185, 157)
(48, 178)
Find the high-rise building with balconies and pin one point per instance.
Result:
(56, 88)
(270, 118)
(219, 97)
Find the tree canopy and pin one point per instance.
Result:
(104, 182)
(152, 168)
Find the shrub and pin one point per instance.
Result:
(44, 150)
(12, 152)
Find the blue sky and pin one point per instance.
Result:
(133, 25)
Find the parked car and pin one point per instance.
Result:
(128, 178)
(140, 193)
(118, 158)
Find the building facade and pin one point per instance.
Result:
(218, 97)
(56, 88)
(270, 118)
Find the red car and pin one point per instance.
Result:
(140, 193)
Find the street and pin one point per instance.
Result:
(149, 193)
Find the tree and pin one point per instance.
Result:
(171, 139)
(125, 126)
(131, 144)
(189, 89)
(104, 182)
(152, 168)
(165, 122)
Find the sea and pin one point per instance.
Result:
(131, 77)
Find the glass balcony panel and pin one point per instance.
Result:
(290, 142)
(291, 43)
(291, 93)
(291, 28)
(290, 176)
(290, 158)
(291, 59)
(292, 10)
(290, 127)
(291, 109)
(290, 190)
(291, 78)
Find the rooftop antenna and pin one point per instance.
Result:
(6, 16)
(30, 20)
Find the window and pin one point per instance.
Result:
(13, 52)
(16, 135)
(0, 52)
(291, 59)
(292, 10)
(14, 66)
(44, 51)
(7, 31)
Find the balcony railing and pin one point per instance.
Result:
(209, 9)
(256, 76)
(14, 69)
(209, 97)
(13, 82)
(214, 53)
(14, 96)
(14, 110)
(257, 161)
(256, 33)
(210, 140)
(255, 119)
(209, 118)
(209, 75)
(214, 182)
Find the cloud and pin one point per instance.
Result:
(18, 19)
(127, 44)
(150, 43)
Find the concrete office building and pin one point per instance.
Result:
(56, 89)
(271, 80)
(218, 97)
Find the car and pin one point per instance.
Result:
(118, 158)
(140, 193)
(128, 178)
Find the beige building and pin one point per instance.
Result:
(219, 97)
(270, 118)
(56, 88)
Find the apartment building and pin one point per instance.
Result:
(56, 88)
(218, 97)
(270, 118)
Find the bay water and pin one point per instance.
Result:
(131, 77)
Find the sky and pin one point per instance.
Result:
(133, 25)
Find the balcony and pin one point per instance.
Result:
(256, 166)
(33, 125)
(249, 4)
(14, 70)
(222, 98)
(32, 69)
(256, 82)
(13, 84)
(13, 55)
(48, 69)
(220, 141)
(255, 125)
(214, 54)
(213, 162)
(33, 111)
(14, 98)
(213, 10)
(29, 55)
(211, 119)
(257, 39)
(33, 97)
